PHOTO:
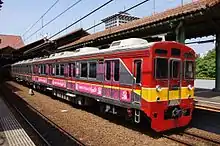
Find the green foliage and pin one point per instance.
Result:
(205, 66)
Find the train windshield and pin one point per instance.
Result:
(161, 68)
(175, 69)
(189, 70)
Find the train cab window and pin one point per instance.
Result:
(189, 55)
(161, 68)
(137, 71)
(84, 70)
(61, 69)
(175, 52)
(189, 69)
(116, 70)
(108, 70)
(175, 69)
(92, 69)
(161, 52)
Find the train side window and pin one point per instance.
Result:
(92, 69)
(50, 69)
(28, 70)
(39, 69)
(161, 68)
(137, 73)
(69, 70)
(44, 69)
(116, 70)
(57, 69)
(189, 69)
(74, 69)
(35, 69)
(108, 70)
(61, 69)
(53, 70)
(84, 70)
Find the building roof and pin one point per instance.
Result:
(13, 41)
(189, 8)
(120, 14)
(59, 42)
(73, 36)
(70, 37)
(30, 45)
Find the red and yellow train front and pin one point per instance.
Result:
(167, 94)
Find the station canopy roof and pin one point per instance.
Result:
(152, 24)
(51, 45)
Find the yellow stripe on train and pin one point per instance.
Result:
(151, 95)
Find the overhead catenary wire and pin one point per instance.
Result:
(54, 18)
(121, 12)
(41, 17)
(81, 18)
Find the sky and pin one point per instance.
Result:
(16, 16)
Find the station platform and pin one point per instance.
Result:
(11, 132)
(207, 99)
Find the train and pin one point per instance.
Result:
(133, 78)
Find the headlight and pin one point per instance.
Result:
(158, 98)
(190, 87)
(158, 88)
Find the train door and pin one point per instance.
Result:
(137, 72)
(111, 81)
(174, 82)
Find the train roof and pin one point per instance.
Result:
(126, 44)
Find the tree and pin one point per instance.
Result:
(205, 66)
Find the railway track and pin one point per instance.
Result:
(209, 108)
(60, 135)
(184, 138)
(189, 139)
(45, 142)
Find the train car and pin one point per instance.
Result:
(132, 77)
(22, 71)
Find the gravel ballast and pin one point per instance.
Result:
(88, 127)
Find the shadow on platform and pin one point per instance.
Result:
(206, 120)
(206, 94)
